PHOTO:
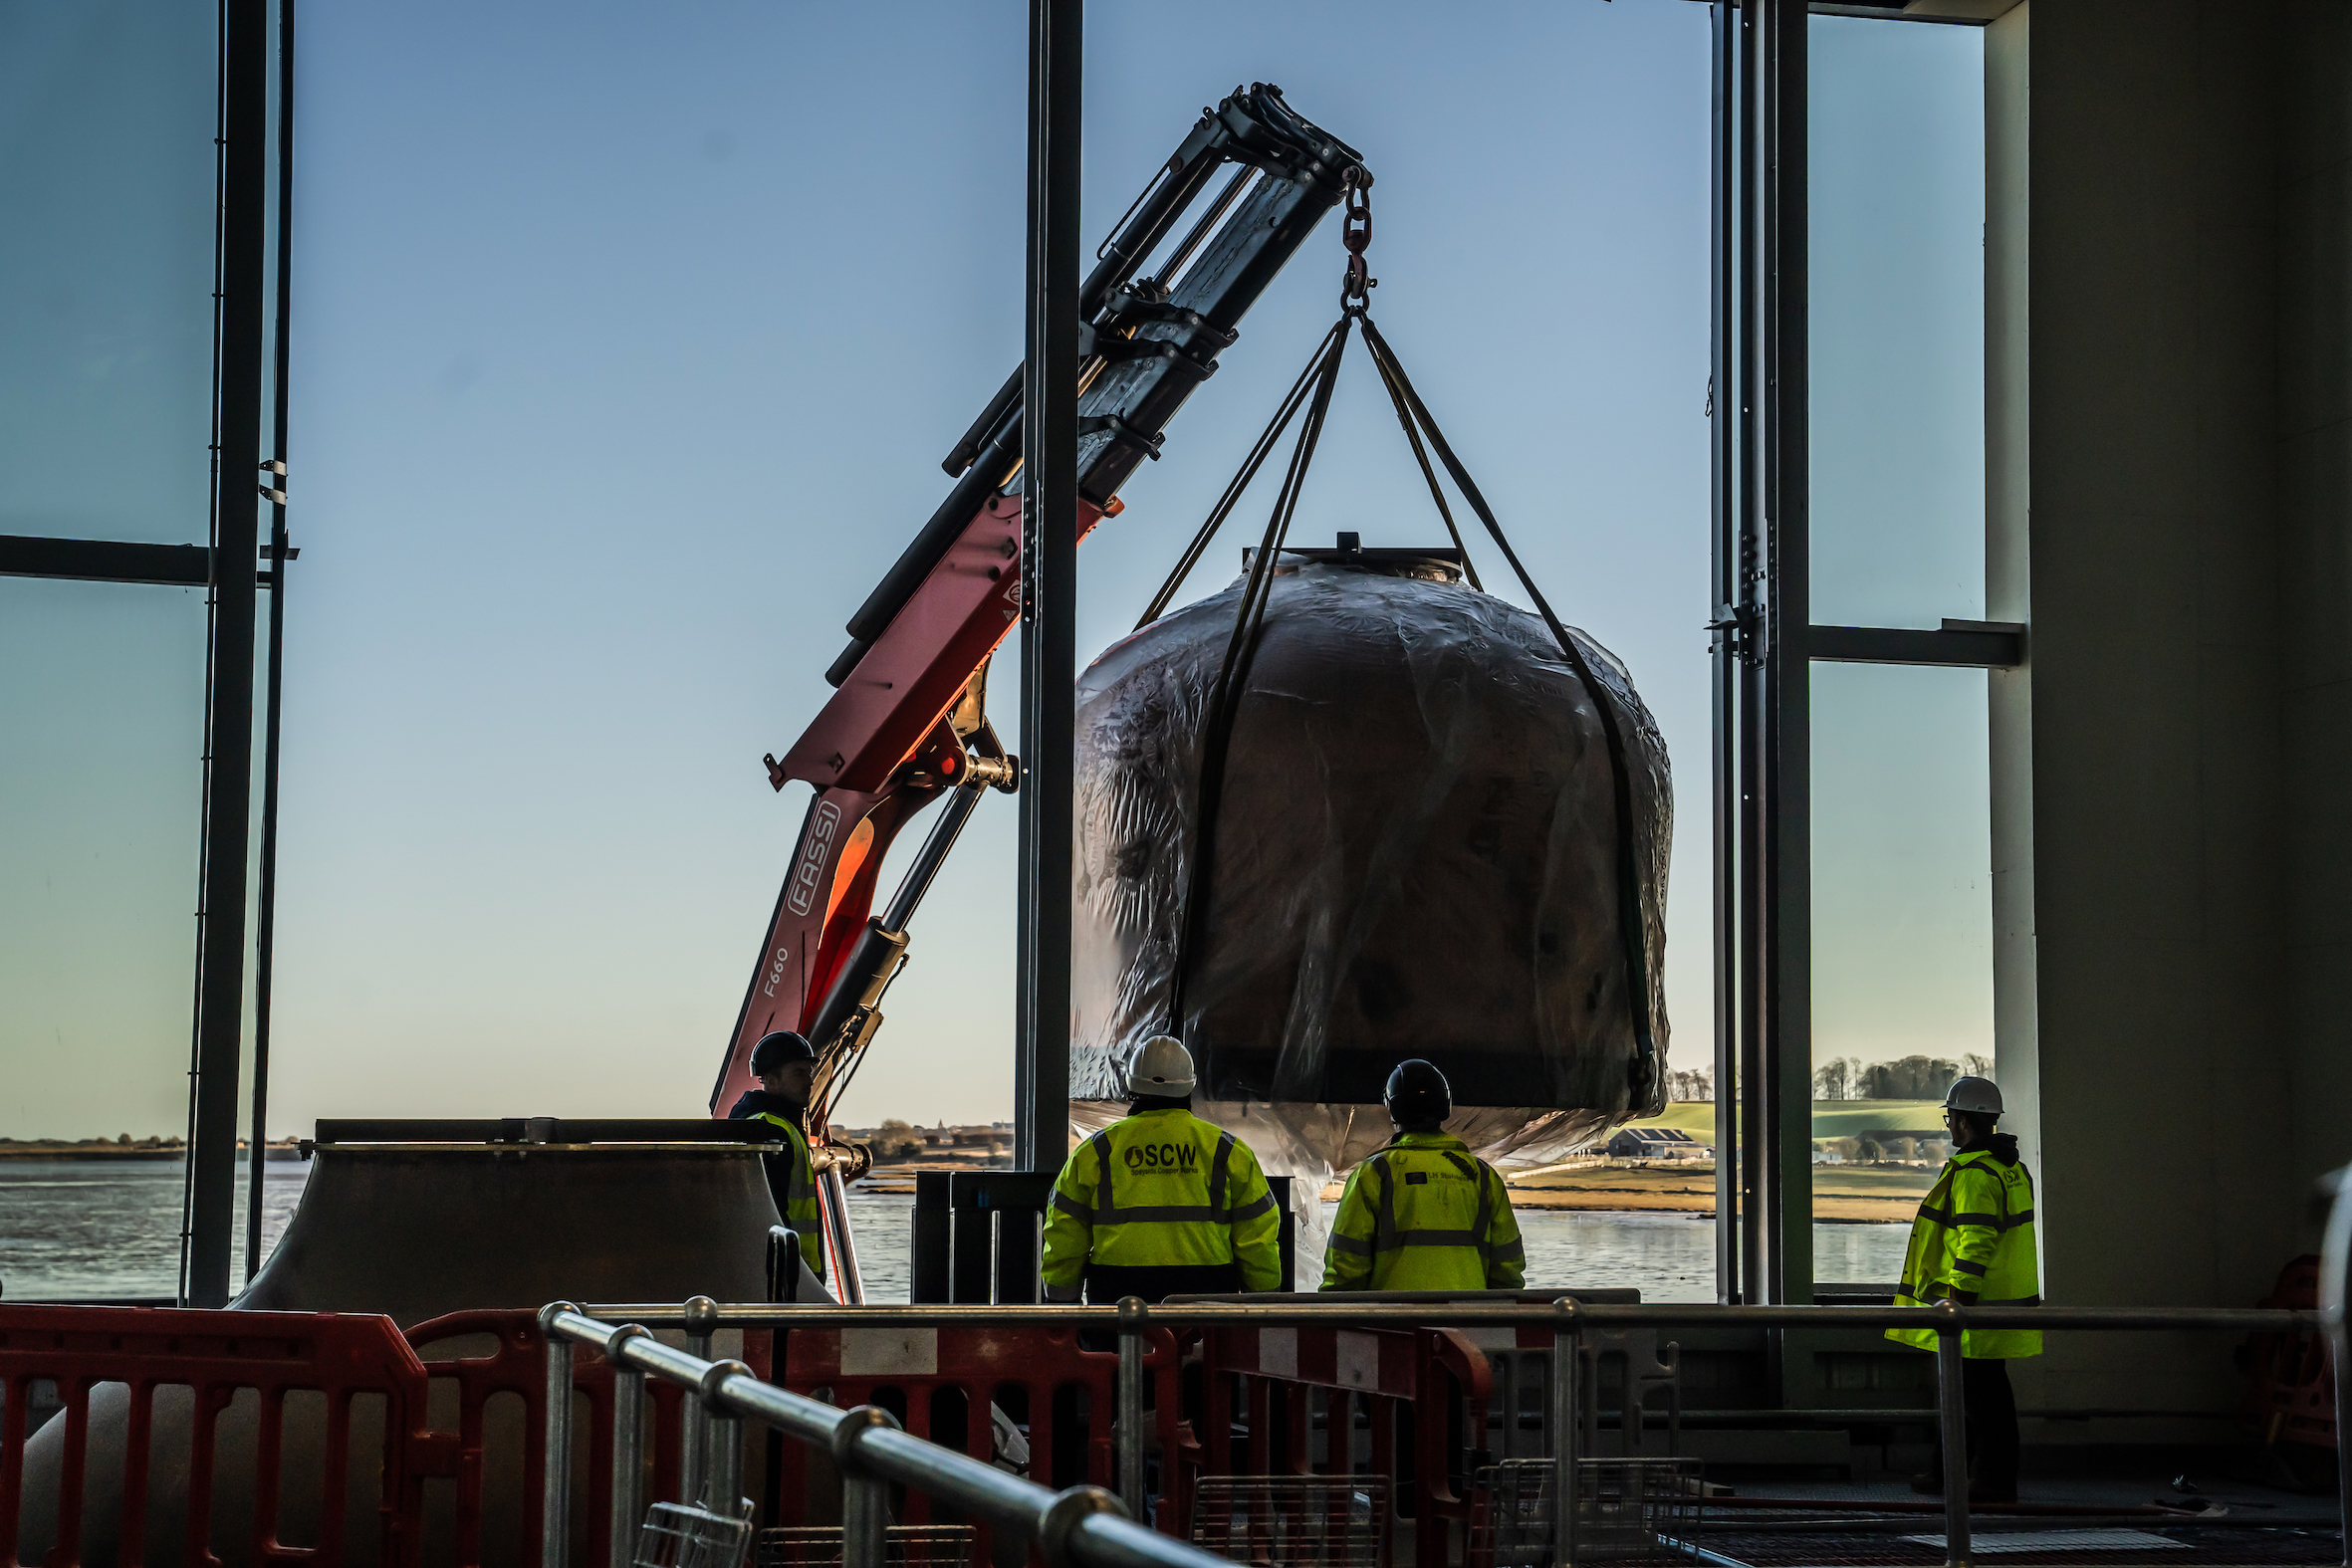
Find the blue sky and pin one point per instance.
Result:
(627, 342)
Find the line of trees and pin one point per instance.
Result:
(1852, 1078)
(1869, 1149)
(1697, 1083)
(1908, 1078)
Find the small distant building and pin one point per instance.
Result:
(1657, 1143)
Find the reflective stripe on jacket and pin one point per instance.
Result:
(1157, 1188)
(1424, 1213)
(798, 1203)
(1974, 1239)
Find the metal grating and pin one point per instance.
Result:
(1627, 1509)
(1284, 1521)
(2190, 1548)
(2059, 1541)
(907, 1546)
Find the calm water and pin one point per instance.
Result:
(73, 1228)
(1667, 1257)
(96, 1227)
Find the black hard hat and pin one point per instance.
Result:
(1418, 1093)
(779, 1050)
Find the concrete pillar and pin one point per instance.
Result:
(2314, 196)
(2170, 448)
(2008, 574)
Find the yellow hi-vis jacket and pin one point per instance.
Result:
(1161, 1188)
(1424, 1213)
(1974, 1240)
(799, 1194)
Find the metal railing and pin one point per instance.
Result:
(1077, 1525)
(1085, 1524)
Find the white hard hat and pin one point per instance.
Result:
(1163, 1067)
(1974, 1094)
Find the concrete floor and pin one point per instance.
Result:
(2129, 1490)
(2255, 1524)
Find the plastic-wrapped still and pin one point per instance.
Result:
(1416, 854)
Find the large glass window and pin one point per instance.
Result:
(102, 731)
(108, 112)
(1901, 795)
(1898, 323)
(1902, 925)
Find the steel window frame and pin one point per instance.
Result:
(1049, 598)
(1763, 645)
(106, 561)
(247, 297)
(1760, 626)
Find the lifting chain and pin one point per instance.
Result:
(1313, 390)
(1355, 292)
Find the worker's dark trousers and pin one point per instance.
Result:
(1108, 1283)
(1991, 1409)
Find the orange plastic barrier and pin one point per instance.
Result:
(943, 1384)
(2293, 1398)
(126, 1361)
(1272, 1382)
(140, 1448)
(516, 1365)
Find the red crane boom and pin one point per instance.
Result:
(906, 723)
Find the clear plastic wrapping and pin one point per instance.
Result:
(1415, 854)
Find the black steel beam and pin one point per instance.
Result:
(1787, 903)
(1763, 732)
(105, 561)
(1724, 403)
(1048, 572)
(244, 330)
(1896, 13)
(539, 1129)
(1893, 11)
(265, 944)
(1743, 776)
(1968, 644)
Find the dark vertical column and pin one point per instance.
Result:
(972, 1242)
(266, 916)
(1748, 908)
(930, 1268)
(1785, 1114)
(1049, 571)
(1723, 673)
(212, 1174)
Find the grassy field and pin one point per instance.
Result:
(1857, 1193)
(1831, 1118)
(1840, 1192)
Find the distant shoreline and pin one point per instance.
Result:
(1842, 1193)
(101, 1152)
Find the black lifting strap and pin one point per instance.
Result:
(1312, 389)
(1630, 921)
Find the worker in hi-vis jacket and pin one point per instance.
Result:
(1972, 1242)
(785, 1063)
(1161, 1202)
(1424, 1213)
